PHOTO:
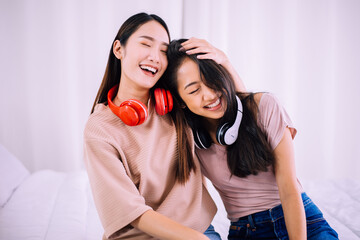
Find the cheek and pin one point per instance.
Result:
(183, 97)
(191, 104)
(164, 61)
(127, 61)
(223, 104)
(193, 109)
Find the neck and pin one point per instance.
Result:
(128, 91)
(211, 125)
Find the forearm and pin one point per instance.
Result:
(162, 227)
(290, 195)
(207, 51)
(294, 215)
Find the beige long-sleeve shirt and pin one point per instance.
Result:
(132, 170)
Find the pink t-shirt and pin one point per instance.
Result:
(132, 170)
(254, 193)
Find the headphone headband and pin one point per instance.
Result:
(133, 112)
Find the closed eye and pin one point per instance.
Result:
(163, 48)
(192, 92)
(145, 44)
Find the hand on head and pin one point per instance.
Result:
(205, 50)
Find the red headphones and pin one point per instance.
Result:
(133, 112)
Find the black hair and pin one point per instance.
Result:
(251, 152)
(113, 67)
(185, 162)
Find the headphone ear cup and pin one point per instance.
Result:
(202, 139)
(128, 115)
(227, 134)
(220, 133)
(169, 100)
(132, 112)
(163, 101)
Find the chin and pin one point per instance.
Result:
(214, 117)
(149, 85)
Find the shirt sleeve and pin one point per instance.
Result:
(116, 197)
(273, 119)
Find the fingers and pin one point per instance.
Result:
(197, 50)
(195, 43)
(196, 46)
(204, 49)
(207, 56)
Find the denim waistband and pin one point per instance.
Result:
(270, 214)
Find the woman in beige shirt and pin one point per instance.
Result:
(245, 148)
(144, 174)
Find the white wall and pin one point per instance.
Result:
(53, 56)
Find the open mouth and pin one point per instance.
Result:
(149, 70)
(214, 105)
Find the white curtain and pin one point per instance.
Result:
(307, 52)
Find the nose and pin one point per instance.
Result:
(154, 55)
(208, 93)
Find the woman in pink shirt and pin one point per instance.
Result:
(244, 143)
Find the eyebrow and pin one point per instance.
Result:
(152, 39)
(190, 84)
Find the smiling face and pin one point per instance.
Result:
(143, 58)
(199, 98)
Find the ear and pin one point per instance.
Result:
(118, 50)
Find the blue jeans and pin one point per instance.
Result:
(270, 224)
(212, 234)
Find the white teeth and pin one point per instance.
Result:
(214, 104)
(151, 69)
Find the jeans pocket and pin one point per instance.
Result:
(236, 231)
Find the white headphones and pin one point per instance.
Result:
(225, 134)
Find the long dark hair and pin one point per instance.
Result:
(185, 163)
(251, 153)
(113, 67)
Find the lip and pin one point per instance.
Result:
(147, 69)
(216, 107)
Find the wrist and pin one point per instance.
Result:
(227, 64)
